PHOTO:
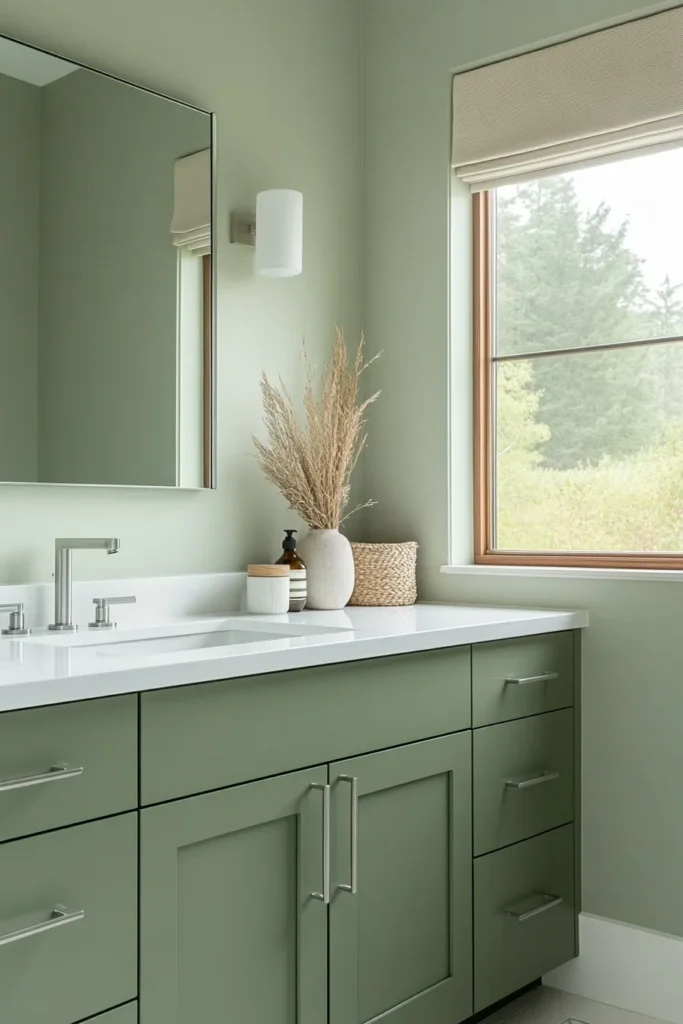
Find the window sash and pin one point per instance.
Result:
(484, 362)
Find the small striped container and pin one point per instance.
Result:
(298, 591)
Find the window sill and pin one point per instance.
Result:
(566, 572)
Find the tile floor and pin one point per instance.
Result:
(550, 1006)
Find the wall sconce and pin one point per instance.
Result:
(276, 232)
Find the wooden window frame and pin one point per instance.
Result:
(483, 322)
(207, 390)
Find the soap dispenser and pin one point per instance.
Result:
(297, 572)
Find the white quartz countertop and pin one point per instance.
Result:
(53, 669)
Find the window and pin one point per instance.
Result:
(579, 367)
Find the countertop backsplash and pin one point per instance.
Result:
(158, 599)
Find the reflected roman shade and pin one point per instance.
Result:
(191, 225)
(590, 100)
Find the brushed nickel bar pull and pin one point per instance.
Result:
(545, 677)
(527, 781)
(353, 886)
(324, 896)
(59, 916)
(56, 773)
(546, 902)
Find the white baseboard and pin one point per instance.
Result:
(632, 968)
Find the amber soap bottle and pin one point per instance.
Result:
(297, 572)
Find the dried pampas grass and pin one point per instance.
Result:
(311, 462)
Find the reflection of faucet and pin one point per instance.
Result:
(63, 548)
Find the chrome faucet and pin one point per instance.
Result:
(63, 548)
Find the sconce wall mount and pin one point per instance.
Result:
(243, 229)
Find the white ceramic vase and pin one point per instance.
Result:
(328, 558)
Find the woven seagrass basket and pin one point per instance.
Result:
(385, 574)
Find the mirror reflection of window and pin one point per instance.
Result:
(191, 232)
(105, 329)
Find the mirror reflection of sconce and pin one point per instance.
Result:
(276, 232)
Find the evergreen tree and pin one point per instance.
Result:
(664, 310)
(566, 279)
(663, 317)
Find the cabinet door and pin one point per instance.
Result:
(401, 945)
(229, 928)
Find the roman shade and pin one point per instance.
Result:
(600, 97)
(191, 225)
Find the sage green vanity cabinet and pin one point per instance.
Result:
(229, 928)
(89, 962)
(392, 839)
(401, 947)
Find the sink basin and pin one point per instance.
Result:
(178, 637)
(123, 648)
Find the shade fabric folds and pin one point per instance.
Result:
(601, 97)
(191, 225)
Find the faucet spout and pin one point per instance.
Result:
(109, 544)
(63, 577)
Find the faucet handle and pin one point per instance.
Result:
(17, 624)
(102, 620)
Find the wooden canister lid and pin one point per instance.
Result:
(268, 570)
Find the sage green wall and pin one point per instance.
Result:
(108, 280)
(284, 81)
(633, 689)
(19, 187)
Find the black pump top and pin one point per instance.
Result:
(289, 544)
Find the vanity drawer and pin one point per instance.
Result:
(212, 735)
(524, 915)
(79, 968)
(98, 736)
(523, 778)
(515, 678)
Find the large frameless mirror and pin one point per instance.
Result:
(107, 334)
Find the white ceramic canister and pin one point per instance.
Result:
(267, 589)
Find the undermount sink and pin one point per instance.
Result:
(178, 637)
(120, 647)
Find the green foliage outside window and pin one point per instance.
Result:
(589, 446)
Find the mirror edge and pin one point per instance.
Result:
(211, 439)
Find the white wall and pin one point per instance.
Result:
(284, 81)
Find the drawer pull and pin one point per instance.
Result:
(353, 886)
(545, 677)
(59, 916)
(54, 774)
(531, 906)
(527, 781)
(324, 896)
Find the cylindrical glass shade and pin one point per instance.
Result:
(279, 232)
